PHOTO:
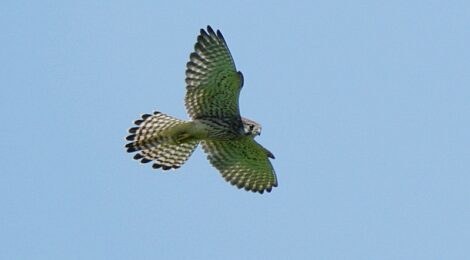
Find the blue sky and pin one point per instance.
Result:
(364, 103)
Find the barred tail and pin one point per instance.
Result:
(155, 138)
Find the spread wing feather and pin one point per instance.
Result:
(242, 162)
(213, 83)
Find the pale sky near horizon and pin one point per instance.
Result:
(365, 105)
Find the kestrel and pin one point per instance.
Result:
(213, 88)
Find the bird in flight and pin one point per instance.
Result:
(213, 88)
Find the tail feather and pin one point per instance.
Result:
(150, 131)
(154, 140)
(167, 156)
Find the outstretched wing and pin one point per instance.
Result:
(213, 83)
(242, 162)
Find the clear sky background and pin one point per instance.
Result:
(366, 105)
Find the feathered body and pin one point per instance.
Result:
(213, 88)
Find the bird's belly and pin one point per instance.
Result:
(219, 129)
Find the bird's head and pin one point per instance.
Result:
(251, 127)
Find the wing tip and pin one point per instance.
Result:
(255, 189)
(211, 33)
(210, 30)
